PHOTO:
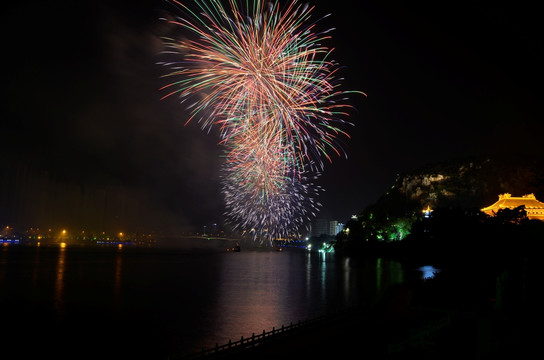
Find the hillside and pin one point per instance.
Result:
(468, 184)
(473, 182)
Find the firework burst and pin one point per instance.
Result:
(261, 76)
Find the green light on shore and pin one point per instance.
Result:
(327, 248)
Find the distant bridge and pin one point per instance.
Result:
(214, 241)
(198, 237)
(199, 242)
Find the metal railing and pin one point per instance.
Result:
(258, 339)
(418, 336)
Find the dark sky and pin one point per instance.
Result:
(81, 108)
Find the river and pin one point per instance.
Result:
(154, 303)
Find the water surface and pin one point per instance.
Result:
(151, 303)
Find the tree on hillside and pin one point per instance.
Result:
(511, 216)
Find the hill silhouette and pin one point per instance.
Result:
(460, 188)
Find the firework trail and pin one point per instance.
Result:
(261, 76)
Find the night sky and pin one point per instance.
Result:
(81, 112)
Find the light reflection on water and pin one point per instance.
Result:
(59, 281)
(179, 301)
(428, 271)
(118, 276)
(259, 290)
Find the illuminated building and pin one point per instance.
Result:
(326, 227)
(333, 225)
(533, 207)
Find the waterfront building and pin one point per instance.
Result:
(533, 207)
(335, 227)
(325, 227)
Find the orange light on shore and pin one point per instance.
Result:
(62, 245)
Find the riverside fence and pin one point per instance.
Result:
(417, 336)
(255, 340)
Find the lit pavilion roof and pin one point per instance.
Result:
(533, 207)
